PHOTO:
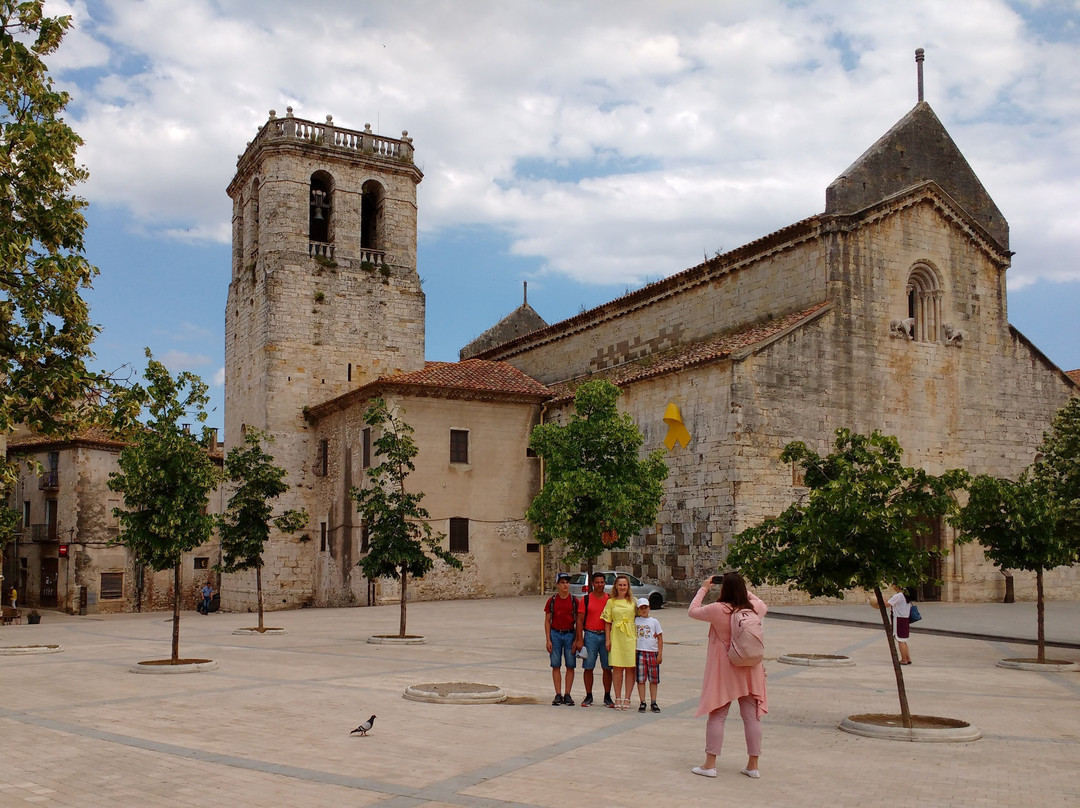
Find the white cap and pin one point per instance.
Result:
(642, 602)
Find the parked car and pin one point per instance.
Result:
(579, 585)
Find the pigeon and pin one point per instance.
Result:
(363, 728)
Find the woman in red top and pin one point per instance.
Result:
(724, 682)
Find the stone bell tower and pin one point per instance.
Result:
(324, 297)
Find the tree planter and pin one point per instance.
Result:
(817, 660)
(1046, 666)
(455, 693)
(23, 650)
(33, 619)
(925, 729)
(167, 666)
(396, 639)
(257, 631)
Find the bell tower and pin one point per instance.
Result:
(324, 294)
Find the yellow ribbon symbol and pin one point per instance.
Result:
(676, 431)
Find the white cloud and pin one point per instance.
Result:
(219, 377)
(177, 361)
(651, 132)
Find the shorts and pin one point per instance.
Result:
(648, 669)
(596, 646)
(562, 649)
(901, 628)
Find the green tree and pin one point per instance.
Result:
(165, 476)
(245, 526)
(854, 528)
(1032, 524)
(45, 332)
(1018, 526)
(400, 540)
(597, 491)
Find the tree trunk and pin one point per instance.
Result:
(404, 598)
(259, 593)
(905, 711)
(176, 614)
(1040, 611)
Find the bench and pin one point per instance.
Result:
(11, 615)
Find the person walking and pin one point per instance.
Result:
(560, 620)
(725, 682)
(592, 637)
(620, 639)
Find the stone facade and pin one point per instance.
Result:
(324, 298)
(886, 312)
(65, 540)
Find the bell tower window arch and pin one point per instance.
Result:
(372, 199)
(320, 208)
(924, 303)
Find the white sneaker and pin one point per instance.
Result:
(750, 773)
(704, 772)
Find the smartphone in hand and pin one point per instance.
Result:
(718, 579)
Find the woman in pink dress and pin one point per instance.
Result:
(724, 682)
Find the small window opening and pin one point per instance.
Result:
(202, 563)
(320, 208)
(322, 537)
(924, 303)
(459, 446)
(371, 212)
(112, 585)
(459, 535)
(366, 448)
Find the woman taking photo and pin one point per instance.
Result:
(621, 639)
(724, 682)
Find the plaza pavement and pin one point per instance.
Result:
(271, 726)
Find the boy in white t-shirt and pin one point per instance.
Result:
(650, 653)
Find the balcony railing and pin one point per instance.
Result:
(49, 481)
(326, 134)
(46, 532)
(322, 249)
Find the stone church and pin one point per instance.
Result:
(886, 311)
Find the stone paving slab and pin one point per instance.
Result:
(271, 726)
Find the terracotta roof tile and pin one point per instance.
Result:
(1074, 375)
(94, 434)
(471, 374)
(699, 353)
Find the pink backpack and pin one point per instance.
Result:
(747, 639)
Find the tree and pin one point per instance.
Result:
(245, 525)
(165, 476)
(45, 332)
(597, 491)
(1017, 523)
(854, 529)
(1032, 524)
(399, 536)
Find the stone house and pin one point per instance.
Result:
(63, 555)
(887, 311)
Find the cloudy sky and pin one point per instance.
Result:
(584, 147)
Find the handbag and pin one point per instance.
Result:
(914, 616)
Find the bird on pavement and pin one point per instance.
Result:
(363, 728)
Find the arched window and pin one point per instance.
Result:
(924, 303)
(253, 250)
(371, 213)
(320, 207)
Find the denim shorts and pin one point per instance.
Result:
(595, 645)
(562, 649)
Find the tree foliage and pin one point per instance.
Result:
(165, 476)
(45, 332)
(598, 492)
(1032, 524)
(400, 540)
(245, 526)
(855, 527)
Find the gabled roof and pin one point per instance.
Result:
(474, 379)
(915, 150)
(717, 349)
(522, 320)
(94, 436)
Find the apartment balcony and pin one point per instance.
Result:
(46, 532)
(49, 481)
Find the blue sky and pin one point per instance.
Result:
(586, 148)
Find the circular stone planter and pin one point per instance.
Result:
(817, 660)
(23, 650)
(166, 666)
(1047, 666)
(926, 729)
(257, 633)
(455, 693)
(394, 639)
